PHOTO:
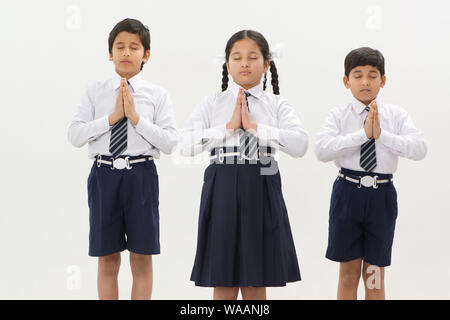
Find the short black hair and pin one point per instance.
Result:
(362, 57)
(131, 26)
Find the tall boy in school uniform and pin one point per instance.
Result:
(365, 138)
(126, 121)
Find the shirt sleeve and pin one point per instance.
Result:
(84, 128)
(289, 136)
(160, 131)
(197, 135)
(331, 143)
(408, 142)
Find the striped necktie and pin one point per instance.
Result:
(118, 140)
(368, 159)
(248, 143)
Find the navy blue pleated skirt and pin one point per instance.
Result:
(244, 235)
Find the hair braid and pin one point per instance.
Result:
(274, 73)
(224, 77)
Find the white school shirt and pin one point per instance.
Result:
(155, 131)
(342, 135)
(278, 124)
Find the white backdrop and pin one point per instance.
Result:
(50, 50)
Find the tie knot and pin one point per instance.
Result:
(247, 94)
(367, 108)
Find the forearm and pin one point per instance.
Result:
(196, 140)
(410, 146)
(163, 138)
(81, 132)
(292, 141)
(329, 147)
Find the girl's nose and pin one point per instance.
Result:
(244, 63)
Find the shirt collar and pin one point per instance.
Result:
(256, 91)
(135, 81)
(359, 107)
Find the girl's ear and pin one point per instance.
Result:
(383, 81)
(110, 57)
(146, 56)
(228, 67)
(266, 65)
(346, 84)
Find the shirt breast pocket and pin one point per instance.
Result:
(387, 125)
(145, 107)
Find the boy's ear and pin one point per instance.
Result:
(146, 56)
(383, 81)
(346, 84)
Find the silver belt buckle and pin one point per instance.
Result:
(119, 163)
(369, 181)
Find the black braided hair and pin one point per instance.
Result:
(274, 73)
(224, 77)
(265, 51)
(265, 81)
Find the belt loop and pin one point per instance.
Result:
(127, 160)
(229, 160)
(375, 185)
(99, 158)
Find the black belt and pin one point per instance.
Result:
(221, 153)
(365, 179)
(122, 162)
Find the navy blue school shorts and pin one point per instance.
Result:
(123, 209)
(362, 220)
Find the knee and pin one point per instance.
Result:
(224, 293)
(253, 293)
(109, 265)
(140, 263)
(350, 278)
(373, 278)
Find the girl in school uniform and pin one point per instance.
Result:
(244, 235)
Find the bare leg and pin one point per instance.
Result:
(142, 271)
(349, 275)
(253, 293)
(374, 282)
(108, 270)
(226, 293)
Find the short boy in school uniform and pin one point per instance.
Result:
(126, 122)
(365, 138)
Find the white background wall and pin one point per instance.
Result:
(50, 50)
